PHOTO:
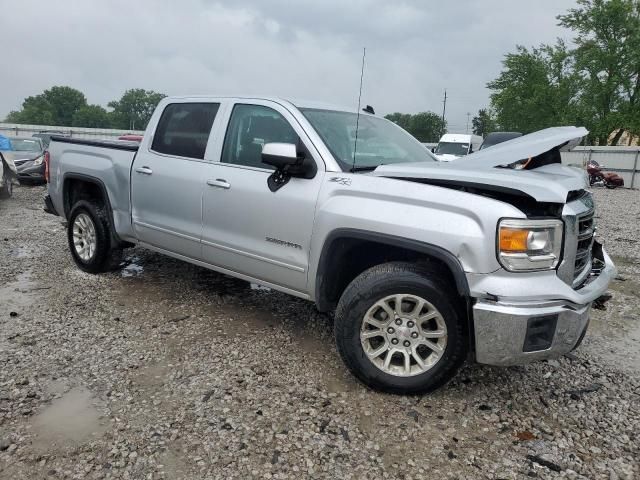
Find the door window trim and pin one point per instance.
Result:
(286, 113)
(219, 113)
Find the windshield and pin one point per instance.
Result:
(380, 142)
(25, 145)
(449, 148)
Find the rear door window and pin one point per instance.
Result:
(183, 129)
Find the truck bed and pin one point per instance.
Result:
(105, 162)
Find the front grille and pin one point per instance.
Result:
(586, 230)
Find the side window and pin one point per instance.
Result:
(250, 127)
(184, 129)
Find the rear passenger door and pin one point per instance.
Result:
(168, 178)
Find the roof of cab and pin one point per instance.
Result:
(298, 103)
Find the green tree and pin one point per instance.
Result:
(425, 126)
(55, 106)
(91, 116)
(536, 89)
(607, 57)
(133, 111)
(484, 122)
(595, 84)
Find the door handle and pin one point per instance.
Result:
(219, 182)
(144, 170)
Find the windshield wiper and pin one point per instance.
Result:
(364, 169)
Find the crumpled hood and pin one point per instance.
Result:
(19, 157)
(549, 183)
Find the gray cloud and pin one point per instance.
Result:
(294, 49)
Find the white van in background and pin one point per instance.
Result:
(456, 145)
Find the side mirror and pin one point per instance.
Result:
(289, 160)
(433, 149)
(279, 155)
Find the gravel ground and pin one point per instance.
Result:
(166, 370)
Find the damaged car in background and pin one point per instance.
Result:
(8, 175)
(491, 258)
(28, 156)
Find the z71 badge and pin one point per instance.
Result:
(341, 180)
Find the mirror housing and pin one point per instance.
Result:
(289, 160)
(280, 155)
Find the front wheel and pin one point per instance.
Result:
(398, 329)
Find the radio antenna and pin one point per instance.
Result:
(355, 142)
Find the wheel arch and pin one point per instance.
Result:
(78, 186)
(331, 281)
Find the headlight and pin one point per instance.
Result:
(527, 245)
(38, 161)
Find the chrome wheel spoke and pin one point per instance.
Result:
(376, 323)
(387, 309)
(387, 359)
(419, 360)
(377, 352)
(407, 362)
(372, 334)
(434, 347)
(434, 333)
(428, 316)
(418, 308)
(398, 305)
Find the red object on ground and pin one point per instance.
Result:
(597, 176)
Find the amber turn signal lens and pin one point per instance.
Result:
(513, 240)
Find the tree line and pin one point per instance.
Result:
(595, 82)
(67, 107)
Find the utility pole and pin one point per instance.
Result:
(444, 109)
(468, 115)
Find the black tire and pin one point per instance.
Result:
(7, 188)
(105, 258)
(390, 279)
(610, 185)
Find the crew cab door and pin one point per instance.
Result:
(247, 228)
(168, 178)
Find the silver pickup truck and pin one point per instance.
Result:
(491, 257)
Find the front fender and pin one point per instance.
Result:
(459, 223)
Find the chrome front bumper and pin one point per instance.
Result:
(503, 324)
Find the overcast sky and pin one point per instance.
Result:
(291, 48)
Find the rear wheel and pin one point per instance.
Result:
(398, 329)
(89, 237)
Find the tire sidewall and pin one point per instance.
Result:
(95, 263)
(349, 323)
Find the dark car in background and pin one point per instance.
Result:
(46, 135)
(28, 154)
(495, 138)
